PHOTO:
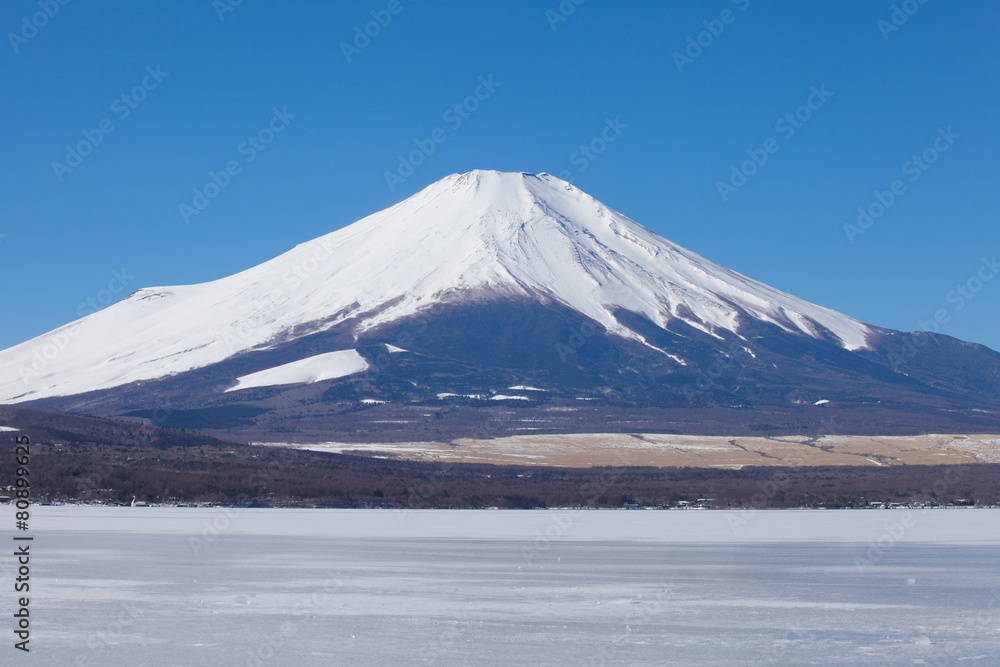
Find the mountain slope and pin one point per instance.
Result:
(479, 283)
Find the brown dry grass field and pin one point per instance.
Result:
(615, 449)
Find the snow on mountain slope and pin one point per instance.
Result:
(306, 371)
(511, 234)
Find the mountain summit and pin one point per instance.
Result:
(480, 282)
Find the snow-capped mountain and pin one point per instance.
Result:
(510, 234)
(513, 278)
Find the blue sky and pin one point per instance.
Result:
(692, 90)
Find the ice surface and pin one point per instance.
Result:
(508, 234)
(154, 586)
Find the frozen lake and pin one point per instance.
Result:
(192, 587)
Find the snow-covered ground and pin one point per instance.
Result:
(171, 586)
(311, 369)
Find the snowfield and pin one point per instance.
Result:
(226, 586)
(306, 371)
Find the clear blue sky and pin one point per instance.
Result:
(68, 231)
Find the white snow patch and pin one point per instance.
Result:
(372, 401)
(306, 371)
(521, 387)
(6, 429)
(393, 349)
(504, 397)
(822, 401)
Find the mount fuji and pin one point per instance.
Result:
(497, 303)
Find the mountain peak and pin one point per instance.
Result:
(503, 186)
(480, 176)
